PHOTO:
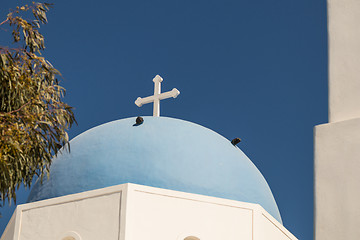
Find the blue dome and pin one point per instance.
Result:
(162, 152)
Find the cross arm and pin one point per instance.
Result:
(141, 101)
(173, 93)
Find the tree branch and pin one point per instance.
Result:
(14, 111)
(7, 19)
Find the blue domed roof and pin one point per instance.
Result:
(162, 152)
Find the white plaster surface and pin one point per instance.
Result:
(134, 212)
(10, 228)
(344, 59)
(179, 216)
(91, 218)
(266, 227)
(337, 180)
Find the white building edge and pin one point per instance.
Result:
(337, 144)
(137, 212)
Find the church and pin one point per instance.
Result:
(150, 178)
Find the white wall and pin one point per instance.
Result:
(344, 59)
(337, 144)
(8, 233)
(135, 212)
(176, 218)
(337, 180)
(162, 214)
(91, 218)
(266, 227)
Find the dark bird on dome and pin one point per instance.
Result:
(235, 141)
(139, 120)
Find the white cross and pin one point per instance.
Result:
(157, 96)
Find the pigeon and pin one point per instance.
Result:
(139, 120)
(235, 141)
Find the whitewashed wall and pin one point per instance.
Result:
(337, 144)
(135, 212)
(337, 180)
(344, 59)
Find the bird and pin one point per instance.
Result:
(235, 141)
(139, 120)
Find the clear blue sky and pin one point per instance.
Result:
(254, 69)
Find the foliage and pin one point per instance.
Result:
(33, 118)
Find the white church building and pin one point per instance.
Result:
(150, 178)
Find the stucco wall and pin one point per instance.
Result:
(10, 228)
(91, 218)
(337, 144)
(344, 59)
(337, 180)
(177, 218)
(136, 212)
